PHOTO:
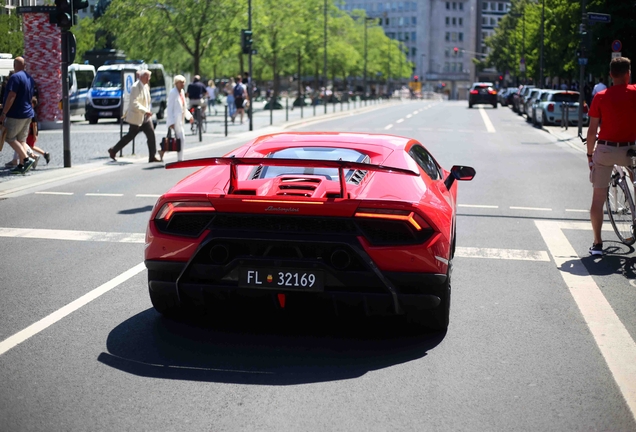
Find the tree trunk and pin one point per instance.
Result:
(300, 79)
(241, 64)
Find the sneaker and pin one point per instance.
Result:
(28, 164)
(35, 164)
(19, 169)
(596, 249)
(47, 157)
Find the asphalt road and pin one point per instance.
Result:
(541, 335)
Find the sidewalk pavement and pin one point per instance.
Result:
(47, 176)
(569, 136)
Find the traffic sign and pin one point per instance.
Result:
(582, 61)
(35, 9)
(616, 46)
(593, 17)
(616, 54)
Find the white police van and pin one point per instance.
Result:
(104, 97)
(80, 78)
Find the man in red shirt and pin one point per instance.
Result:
(616, 108)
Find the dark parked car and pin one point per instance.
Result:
(482, 93)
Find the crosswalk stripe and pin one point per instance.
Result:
(51, 234)
(505, 254)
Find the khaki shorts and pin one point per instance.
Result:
(605, 157)
(17, 129)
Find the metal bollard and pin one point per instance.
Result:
(287, 109)
(348, 104)
(314, 110)
(302, 103)
(271, 111)
(334, 106)
(567, 116)
(340, 105)
(225, 120)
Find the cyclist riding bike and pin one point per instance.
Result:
(616, 108)
(196, 95)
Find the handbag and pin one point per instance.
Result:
(169, 144)
(3, 135)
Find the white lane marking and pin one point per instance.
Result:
(506, 254)
(51, 234)
(444, 130)
(478, 206)
(577, 210)
(611, 336)
(409, 115)
(399, 121)
(585, 226)
(53, 193)
(530, 208)
(51, 319)
(388, 127)
(147, 196)
(105, 194)
(415, 112)
(489, 126)
(425, 129)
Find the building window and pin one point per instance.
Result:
(448, 5)
(454, 21)
(447, 21)
(407, 6)
(413, 36)
(399, 36)
(413, 21)
(493, 6)
(413, 6)
(500, 7)
(446, 66)
(454, 36)
(492, 21)
(447, 36)
(461, 36)
(461, 21)
(454, 6)
(380, 8)
(447, 52)
(484, 21)
(484, 35)
(484, 6)
(453, 67)
(406, 36)
(400, 21)
(461, 6)
(413, 52)
(394, 6)
(401, 6)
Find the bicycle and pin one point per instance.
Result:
(200, 124)
(620, 199)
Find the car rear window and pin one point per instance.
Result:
(320, 153)
(565, 97)
(481, 87)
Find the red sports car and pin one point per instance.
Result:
(349, 222)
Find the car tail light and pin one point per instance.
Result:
(492, 92)
(551, 108)
(402, 215)
(169, 209)
(474, 92)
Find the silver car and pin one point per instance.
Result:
(550, 108)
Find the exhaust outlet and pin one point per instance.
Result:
(340, 259)
(219, 254)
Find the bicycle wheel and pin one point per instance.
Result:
(620, 208)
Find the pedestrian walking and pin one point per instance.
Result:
(598, 87)
(139, 118)
(614, 109)
(177, 111)
(211, 90)
(239, 93)
(17, 113)
(229, 91)
(32, 137)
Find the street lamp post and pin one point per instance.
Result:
(324, 65)
(249, 78)
(542, 43)
(366, 20)
(388, 75)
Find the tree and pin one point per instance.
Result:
(12, 40)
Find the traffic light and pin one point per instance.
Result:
(80, 4)
(246, 41)
(64, 13)
(455, 51)
(500, 77)
(416, 78)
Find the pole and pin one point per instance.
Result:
(542, 43)
(523, 43)
(66, 109)
(324, 61)
(249, 60)
(226, 120)
(582, 67)
(365, 59)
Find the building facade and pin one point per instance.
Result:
(489, 14)
(438, 37)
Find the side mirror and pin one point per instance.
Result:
(457, 172)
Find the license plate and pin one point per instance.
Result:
(105, 113)
(283, 279)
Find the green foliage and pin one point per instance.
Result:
(12, 39)
(561, 37)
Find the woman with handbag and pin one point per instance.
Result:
(176, 112)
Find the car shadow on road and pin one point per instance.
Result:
(143, 209)
(261, 349)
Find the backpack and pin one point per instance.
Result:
(238, 91)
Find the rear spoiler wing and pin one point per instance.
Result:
(307, 163)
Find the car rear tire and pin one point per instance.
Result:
(92, 120)
(494, 106)
(435, 319)
(470, 105)
(166, 304)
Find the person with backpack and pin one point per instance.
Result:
(239, 94)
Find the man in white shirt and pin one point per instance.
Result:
(598, 87)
